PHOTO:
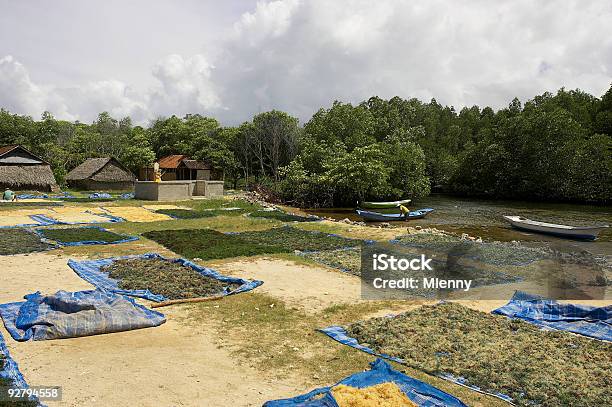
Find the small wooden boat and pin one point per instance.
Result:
(384, 205)
(574, 232)
(387, 217)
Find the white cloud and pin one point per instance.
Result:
(301, 55)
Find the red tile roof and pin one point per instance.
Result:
(171, 161)
(6, 149)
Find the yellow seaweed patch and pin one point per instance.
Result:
(381, 395)
(21, 216)
(73, 214)
(136, 214)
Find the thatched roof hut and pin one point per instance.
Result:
(101, 174)
(22, 170)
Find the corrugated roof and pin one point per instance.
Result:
(171, 161)
(9, 148)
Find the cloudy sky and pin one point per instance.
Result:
(232, 59)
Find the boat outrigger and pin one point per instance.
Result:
(574, 232)
(384, 205)
(386, 217)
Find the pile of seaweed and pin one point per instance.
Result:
(17, 241)
(170, 279)
(347, 260)
(496, 253)
(209, 244)
(497, 354)
(71, 235)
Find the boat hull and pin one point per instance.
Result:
(570, 232)
(370, 216)
(384, 205)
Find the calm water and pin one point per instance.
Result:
(484, 218)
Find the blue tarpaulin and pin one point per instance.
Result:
(32, 196)
(84, 242)
(10, 371)
(420, 393)
(73, 314)
(37, 220)
(339, 334)
(129, 195)
(90, 270)
(595, 322)
(100, 195)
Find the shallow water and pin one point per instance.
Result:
(484, 218)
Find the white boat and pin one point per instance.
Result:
(575, 232)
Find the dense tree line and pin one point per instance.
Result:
(554, 147)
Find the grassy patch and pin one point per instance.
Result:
(71, 235)
(287, 343)
(16, 241)
(281, 216)
(28, 204)
(209, 244)
(80, 200)
(172, 280)
(548, 368)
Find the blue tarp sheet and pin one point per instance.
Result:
(90, 270)
(11, 372)
(419, 392)
(100, 195)
(73, 314)
(594, 322)
(339, 334)
(129, 195)
(32, 196)
(37, 220)
(84, 242)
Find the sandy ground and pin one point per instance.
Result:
(172, 365)
(308, 288)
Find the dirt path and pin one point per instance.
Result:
(309, 288)
(175, 364)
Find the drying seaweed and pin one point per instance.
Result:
(172, 280)
(380, 395)
(209, 244)
(298, 239)
(281, 216)
(496, 253)
(347, 260)
(17, 241)
(500, 355)
(197, 214)
(71, 235)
